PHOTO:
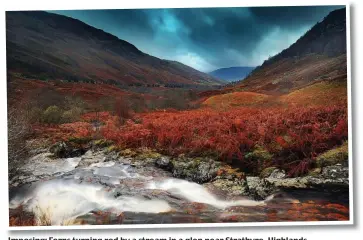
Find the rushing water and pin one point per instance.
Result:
(144, 195)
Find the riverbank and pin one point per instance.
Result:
(100, 184)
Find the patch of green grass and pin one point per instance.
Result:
(260, 158)
(148, 154)
(103, 143)
(333, 156)
(259, 153)
(112, 148)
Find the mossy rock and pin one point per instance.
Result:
(265, 173)
(231, 187)
(333, 156)
(314, 172)
(149, 154)
(128, 153)
(227, 172)
(112, 148)
(102, 143)
(199, 170)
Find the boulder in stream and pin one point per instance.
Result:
(198, 170)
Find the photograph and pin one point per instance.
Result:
(178, 116)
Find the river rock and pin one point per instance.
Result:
(198, 170)
(278, 173)
(91, 157)
(259, 188)
(331, 177)
(336, 172)
(164, 163)
(231, 187)
(64, 150)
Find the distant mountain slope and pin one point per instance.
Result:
(48, 45)
(320, 54)
(232, 74)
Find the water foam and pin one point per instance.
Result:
(72, 195)
(62, 200)
(197, 193)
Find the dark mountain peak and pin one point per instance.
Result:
(319, 54)
(327, 37)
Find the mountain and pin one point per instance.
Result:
(231, 74)
(319, 55)
(44, 45)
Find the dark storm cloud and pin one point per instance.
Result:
(208, 38)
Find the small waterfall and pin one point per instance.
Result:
(197, 193)
(73, 191)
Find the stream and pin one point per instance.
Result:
(68, 191)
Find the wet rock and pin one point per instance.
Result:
(259, 188)
(111, 156)
(278, 173)
(231, 187)
(335, 172)
(307, 182)
(273, 172)
(37, 151)
(267, 172)
(198, 170)
(91, 157)
(102, 218)
(331, 177)
(164, 163)
(296, 183)
(64, 150)
(26, 178)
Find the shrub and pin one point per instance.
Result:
(34, 114)
(255, 138)
(52, 115)
(258, 159)
(290, 137)
(72, 115)
(18, 131)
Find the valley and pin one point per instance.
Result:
(101, 133)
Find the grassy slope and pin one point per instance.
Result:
(290, 74)
(320, 93)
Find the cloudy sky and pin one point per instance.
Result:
(207, 38)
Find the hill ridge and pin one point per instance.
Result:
(57, 46)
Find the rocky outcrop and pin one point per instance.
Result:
(198, 170)
(331, 177)
(164, 163)
(65, 150)
(259, 188)
(91, 157)
(232, 182)
(218, 176)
